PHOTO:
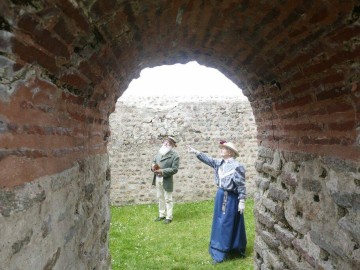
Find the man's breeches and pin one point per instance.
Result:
(165, 200)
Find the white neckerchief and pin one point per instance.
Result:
(221, 171)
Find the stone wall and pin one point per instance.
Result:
(139, 124)
(307, 212)
(58, 222)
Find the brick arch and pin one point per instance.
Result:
(295, 62)
(65, 63)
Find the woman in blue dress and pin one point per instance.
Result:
(228, 235)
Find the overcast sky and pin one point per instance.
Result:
(182, 80)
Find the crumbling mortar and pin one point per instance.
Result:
(30, 4)
(4, 25)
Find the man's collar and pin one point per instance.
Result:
(167, 154)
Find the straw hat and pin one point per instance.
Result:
(230, 146)
(171, 140)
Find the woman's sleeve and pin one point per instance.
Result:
(239, 180)
(207, 160)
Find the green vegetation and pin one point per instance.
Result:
(137, 242)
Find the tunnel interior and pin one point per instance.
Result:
(65, 63)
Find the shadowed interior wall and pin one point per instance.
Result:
(65, 63)
(45, 221)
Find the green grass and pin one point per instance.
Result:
(137, 242)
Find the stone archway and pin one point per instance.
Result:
(65, 63)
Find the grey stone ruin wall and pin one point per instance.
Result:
(139, 124)
(307, 211)
(39, 231)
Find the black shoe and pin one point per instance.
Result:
(167, 221)
(159, 218)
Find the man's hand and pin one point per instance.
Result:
(241, 206)
(155, 167)
(192, 150)
(159, 172)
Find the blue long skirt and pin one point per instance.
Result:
(228, 235)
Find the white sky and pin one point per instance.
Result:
(190, 79)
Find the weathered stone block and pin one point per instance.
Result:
(326, 265)
(347, 200)
(20, 199)
(269, 169)
(6, 69)
(351, 224)
(285, 236)
(264, 218)
(257, 264)
(311, 185)
(5, 38)
(269, 239)
(294, 217)
(274, 260)
(288, 175)
(297, 243)
(275, 208)
(340, 165)
(259, 164)
(293, 260)
(331, 247)
(273, 169)
(277, 194)
(265, 152)
(65, 179)
(297, 157)
(262, 183)
(260, 247)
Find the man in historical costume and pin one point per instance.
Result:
(164, 166)
(228, 235)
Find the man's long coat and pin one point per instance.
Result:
(169, 164)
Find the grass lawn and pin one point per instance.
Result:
(137, 242)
